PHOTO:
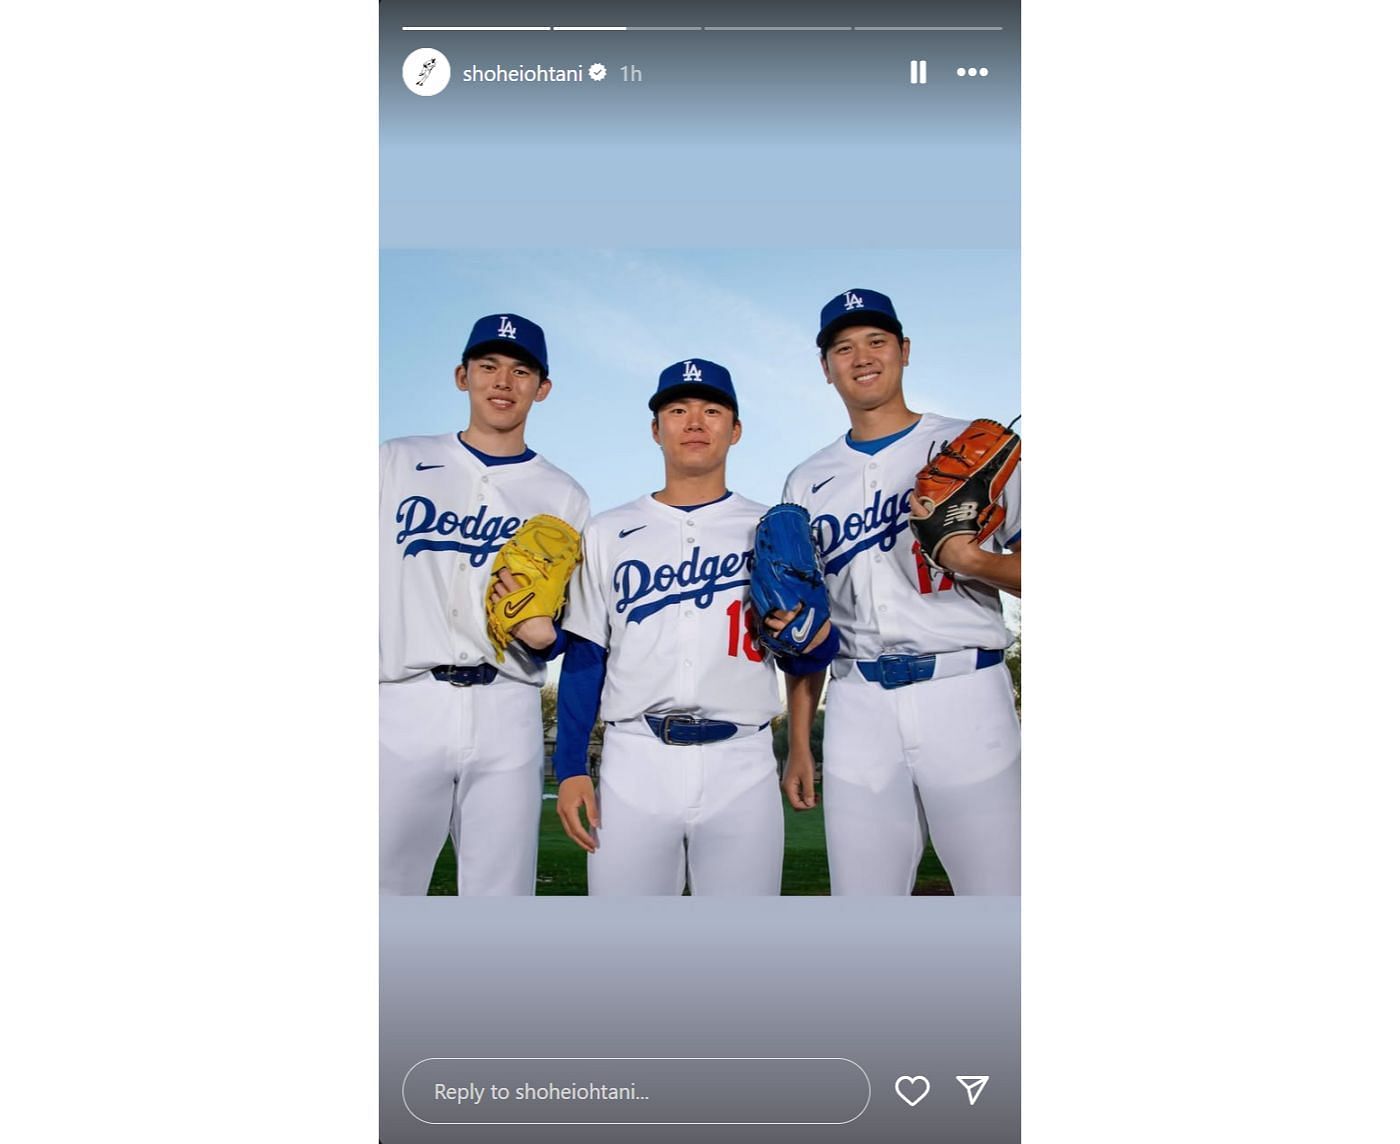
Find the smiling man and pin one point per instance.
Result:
(660, 636)
(461, 750)
(921, 732)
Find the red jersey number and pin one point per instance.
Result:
(742, 622)
(945, 582)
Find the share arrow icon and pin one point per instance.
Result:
(974, 1086)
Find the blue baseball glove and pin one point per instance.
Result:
(787, 572)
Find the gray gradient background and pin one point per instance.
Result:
(752, 140)
(900, 986)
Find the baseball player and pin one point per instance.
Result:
(461, 750)
(659, 632)
(921, 729)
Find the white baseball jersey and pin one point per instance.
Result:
(666, 592)
(444, 514)
(884, 597)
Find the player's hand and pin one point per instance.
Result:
(777, 620)
(961, 555)
(957, 552)
(577, 794)
(537, 632)
(800, 779)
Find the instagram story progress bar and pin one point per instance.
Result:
(692, 28)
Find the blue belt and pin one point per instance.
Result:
(688, 731)
(901, 670)
(465, 676)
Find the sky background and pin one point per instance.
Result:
(615, 318)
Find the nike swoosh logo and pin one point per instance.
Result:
(421, 467)
(801, 631)
(630, 531)
(515, 607)
(817, 488)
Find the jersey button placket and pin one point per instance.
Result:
(687, 691)
(459, 591)
(691, 761)
(689, 640)
(873, 473)
(867, 567)
(878, 575)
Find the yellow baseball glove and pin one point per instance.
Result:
(542, 555)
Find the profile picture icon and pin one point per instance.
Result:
(426, 71)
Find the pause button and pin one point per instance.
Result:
(918, 71)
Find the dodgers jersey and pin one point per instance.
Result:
(443, 516)
(884, 597)
(666, 592)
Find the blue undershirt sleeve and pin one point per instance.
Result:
(580, 693)
(814, 659)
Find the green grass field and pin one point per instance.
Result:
(562, 865)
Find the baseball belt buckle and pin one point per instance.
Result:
(668, 721)
(895, 670)
(465, 676)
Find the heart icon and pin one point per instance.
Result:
(911, 1089)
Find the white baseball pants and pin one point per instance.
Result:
(711, 810)
(465, 763)
(942, 756)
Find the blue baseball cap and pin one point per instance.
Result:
(510, 334)
(857, 308)
(695, 377)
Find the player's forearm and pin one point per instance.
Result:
(580, 694)
(999, 569)
(962, 555)
(803, 691)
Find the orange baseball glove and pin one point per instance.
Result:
(961, 483)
